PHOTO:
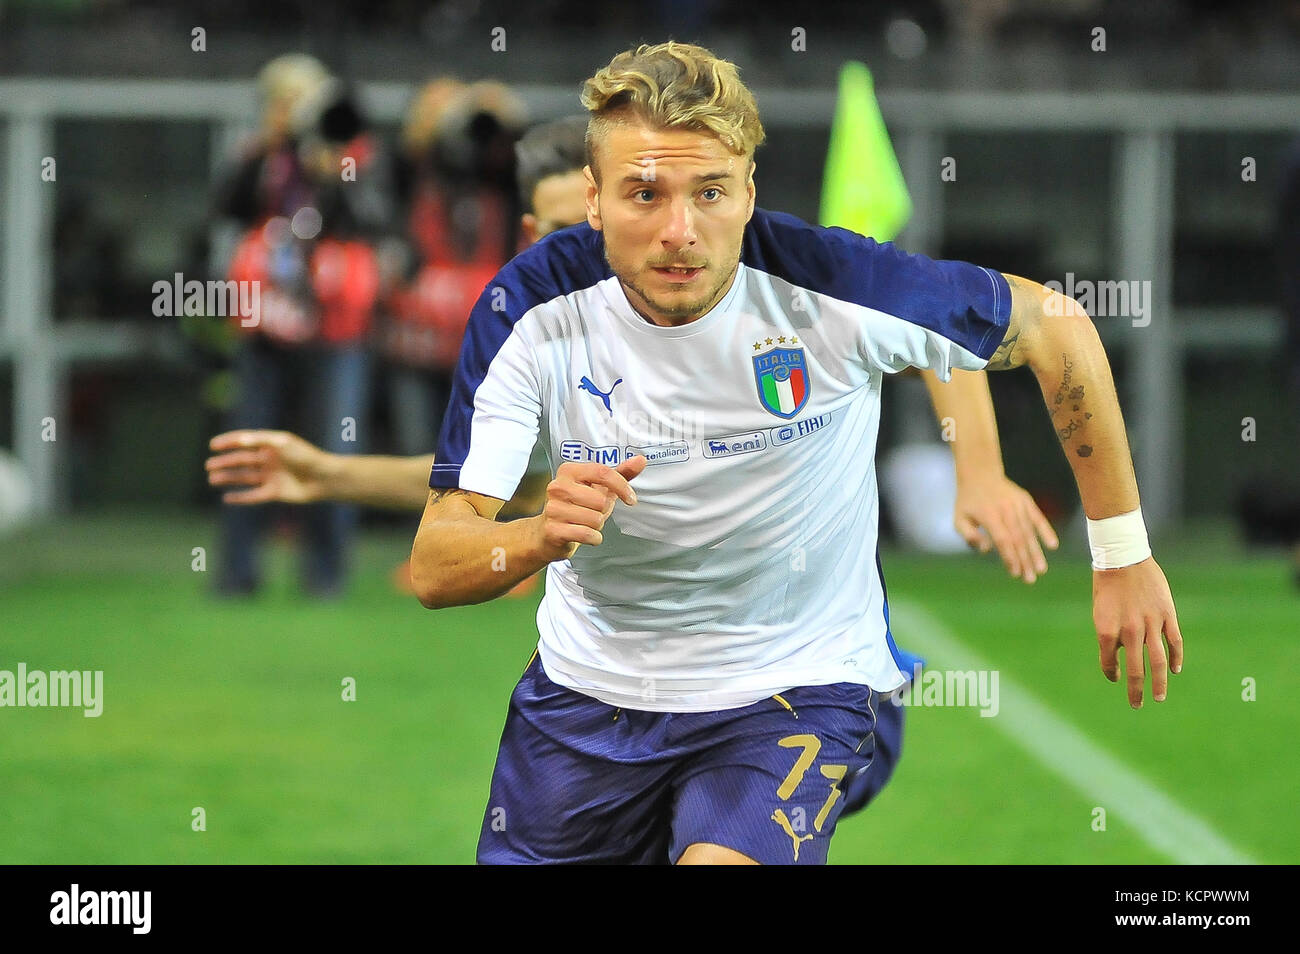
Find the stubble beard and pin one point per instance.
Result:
(675, 307)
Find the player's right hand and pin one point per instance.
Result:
(579, 501)
(270, 465)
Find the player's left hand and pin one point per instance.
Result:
(994, 511)
(1132, 607)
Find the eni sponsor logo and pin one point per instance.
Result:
(732, 445)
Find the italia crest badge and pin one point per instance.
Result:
(782, 378)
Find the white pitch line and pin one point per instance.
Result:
(1101, 778)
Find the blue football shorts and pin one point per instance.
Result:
(580, 781)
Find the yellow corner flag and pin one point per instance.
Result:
(863, 188)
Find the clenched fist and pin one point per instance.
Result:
(579, 501)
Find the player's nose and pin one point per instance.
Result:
(679, 228)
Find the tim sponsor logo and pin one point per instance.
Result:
(583, 452)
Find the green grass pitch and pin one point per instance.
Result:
(237, 708)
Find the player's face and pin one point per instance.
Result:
(558, 201)
(670, 197)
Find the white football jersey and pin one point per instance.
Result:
(749, 564)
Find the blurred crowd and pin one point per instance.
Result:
(369, 257)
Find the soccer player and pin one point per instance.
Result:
(991, 510)
(714, 638)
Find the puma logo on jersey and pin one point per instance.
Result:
(590, 388)
(778, 816)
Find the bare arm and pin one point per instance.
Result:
(1055, 337)
(462, 555)
(991, 509)
(281, 466)
(966, 403)
(1132, 606)
(396, 483)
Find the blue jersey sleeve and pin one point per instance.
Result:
(881, 285)
(968, 304)
(492, 417)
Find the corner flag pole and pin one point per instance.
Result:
(863, 187)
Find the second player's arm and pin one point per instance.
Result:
(279, 466)
(965, 398)
(398, 483)
(991, 509)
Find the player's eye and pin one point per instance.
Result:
(717, 194)
(646, 192)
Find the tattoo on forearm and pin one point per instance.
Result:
(1075, 395)
(1063, 434)
(1064, 389)
(1068, 401)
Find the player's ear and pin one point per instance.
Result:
(592, 199)
(750, 189)
(528, 225)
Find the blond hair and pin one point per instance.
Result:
(672, 86)
(290, 77)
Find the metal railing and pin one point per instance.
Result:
(1144, 126)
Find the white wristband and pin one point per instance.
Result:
(1118, 541)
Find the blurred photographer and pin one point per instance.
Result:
(310, 198)
(455, 185)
